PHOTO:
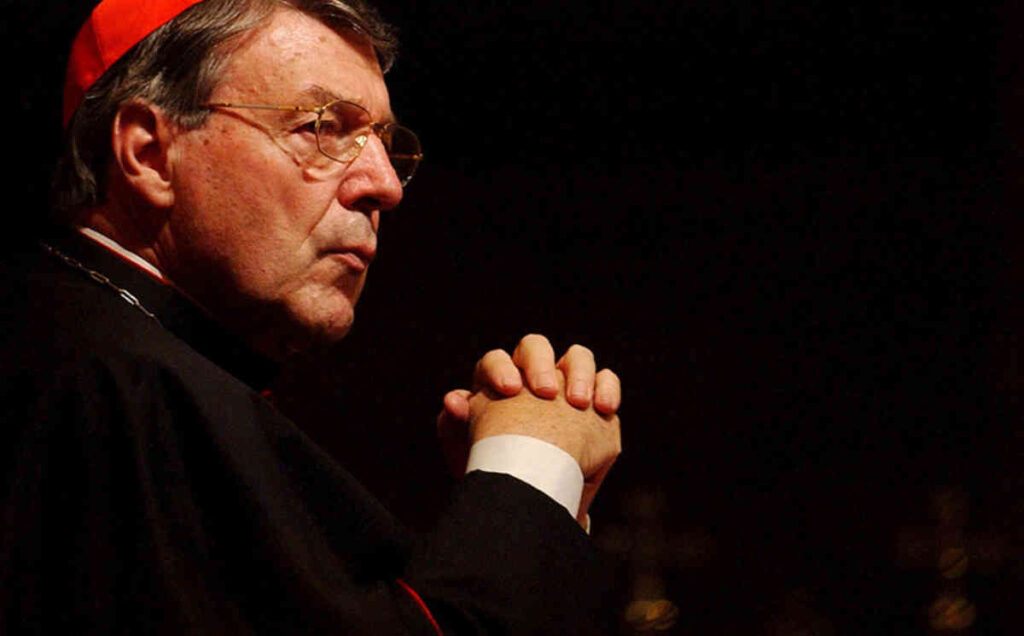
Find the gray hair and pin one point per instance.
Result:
(176, 67)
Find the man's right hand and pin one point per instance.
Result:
(531, 366)
(592, 439)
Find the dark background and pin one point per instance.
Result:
(790, 227)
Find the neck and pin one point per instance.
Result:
(128, 235)
(144, 243)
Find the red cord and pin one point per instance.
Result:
(423, 606)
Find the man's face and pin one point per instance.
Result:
(270, 247)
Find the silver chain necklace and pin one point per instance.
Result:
(125, 295)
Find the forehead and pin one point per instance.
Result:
(292, 56)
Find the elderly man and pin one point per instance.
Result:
(226, 165)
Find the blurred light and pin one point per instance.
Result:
(951, 613)
(651, 615)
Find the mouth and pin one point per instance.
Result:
(354, 261)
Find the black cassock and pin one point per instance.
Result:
(147, 488)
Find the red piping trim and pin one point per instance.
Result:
(423, 606)
(159, 279)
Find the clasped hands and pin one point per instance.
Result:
(567, 403)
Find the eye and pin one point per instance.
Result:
(330, 125)
(344, 118)
(307, 127)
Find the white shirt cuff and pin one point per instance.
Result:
(544, 466)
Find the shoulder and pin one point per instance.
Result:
(50, 308)
(71, 342)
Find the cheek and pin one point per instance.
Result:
(249, 192)
(248, 212)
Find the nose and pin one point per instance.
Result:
(370, 183)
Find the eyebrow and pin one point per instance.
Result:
(322, 95)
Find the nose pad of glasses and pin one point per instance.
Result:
(341, 153)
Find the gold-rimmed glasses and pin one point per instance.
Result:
(343, 128)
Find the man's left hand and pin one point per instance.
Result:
(531, 365)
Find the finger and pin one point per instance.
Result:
(594, 480)
(590, 488)
(536, 359)
(607, 392)
(497, 371)
(578, 366)
(453, 435)
(456, 404)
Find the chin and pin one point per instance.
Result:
(315, 320)
(326, 325)
(334, 332)
(305, 337)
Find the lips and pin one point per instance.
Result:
(356, 258)
(351, 260)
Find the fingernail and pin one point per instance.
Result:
(507, 381)
(545, 380)
(579, 390)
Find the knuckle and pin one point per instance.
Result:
(578, 350)
(492, 356)
(534, 340)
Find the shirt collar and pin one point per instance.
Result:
(117, 248)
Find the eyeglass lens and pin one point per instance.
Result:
(340, 135)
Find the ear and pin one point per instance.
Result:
(141, 138)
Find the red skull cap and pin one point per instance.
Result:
(114, 27)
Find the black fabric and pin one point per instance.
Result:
(147, 488)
